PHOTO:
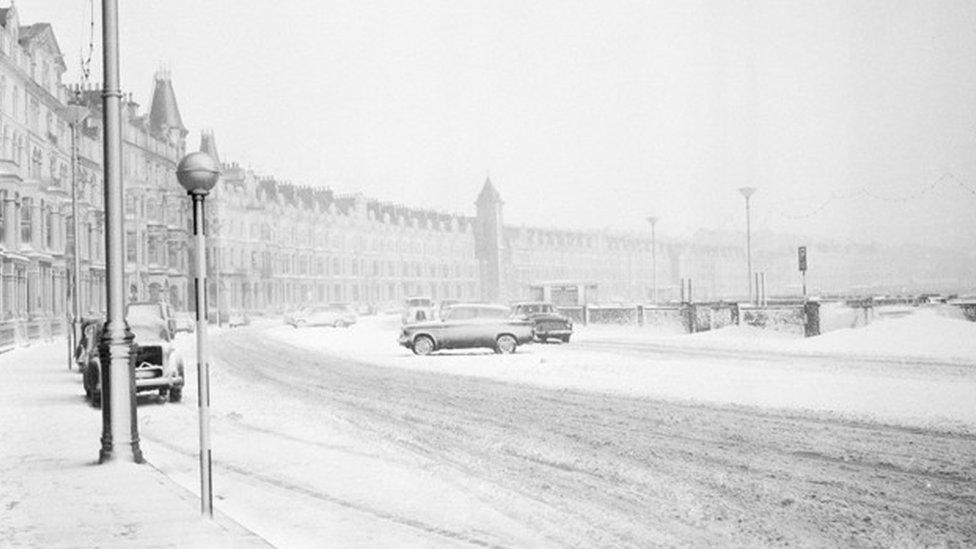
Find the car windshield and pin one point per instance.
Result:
(147, 325)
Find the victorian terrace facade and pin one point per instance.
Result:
(277, 246)
(36, 235)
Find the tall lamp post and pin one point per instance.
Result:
(76, 114)
(120, 430)
(198, 173)
(747, 192)
(653, 221)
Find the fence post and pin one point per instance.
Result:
(586, 315)
(640, 315)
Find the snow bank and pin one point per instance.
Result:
(923, 334)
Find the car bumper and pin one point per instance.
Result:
(553, 333)
(151, 378)
(406, 341)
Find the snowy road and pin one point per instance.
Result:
(312, 449)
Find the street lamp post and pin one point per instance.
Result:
(75, 114)
(198, 173)
(653, 221)
(119, 426)
(747, 192)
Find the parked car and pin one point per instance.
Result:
(158, 365)
(417, 309)
(183, 322)
(237, 318)
(546, 322)
(336, 314)
(468, 326)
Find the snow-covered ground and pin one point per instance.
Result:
(919, 369)
(310, 450)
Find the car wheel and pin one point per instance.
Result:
(505, 344)
(565, 339)
(423, 345)
(176, 394)
(339, 324)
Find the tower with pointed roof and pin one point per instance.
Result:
(164, 114)
(208, 144)
(489, 242)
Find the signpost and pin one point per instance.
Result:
(802, 258)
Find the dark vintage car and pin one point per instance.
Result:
(547, 323)
(468, 327)
(158, 366)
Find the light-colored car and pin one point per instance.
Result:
(238, 318)
(158, 365)
(336, 314)
(417, 309)
(466, 327)
(184, 322)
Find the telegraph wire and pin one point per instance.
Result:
(865, 192)
(962, 184)
(86, 59)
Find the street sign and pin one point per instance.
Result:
(802, 256)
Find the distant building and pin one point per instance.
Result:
(277, 246)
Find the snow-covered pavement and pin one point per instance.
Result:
(53, 493)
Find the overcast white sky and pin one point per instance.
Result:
(588, 114)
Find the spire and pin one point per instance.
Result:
(488, 194)
(164, 114)
(208, 144)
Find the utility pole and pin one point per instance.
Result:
(653, 221)
(120, 429)
(75, 114)
(747, 193)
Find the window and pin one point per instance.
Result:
(49, 228)
(460, 313)
(131, 254)
(25, 221)
(152, 250)
(35, 115)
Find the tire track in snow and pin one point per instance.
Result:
(608, 462)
